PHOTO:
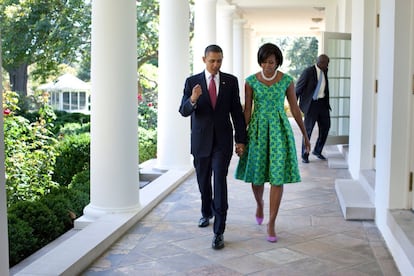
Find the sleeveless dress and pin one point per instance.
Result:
(271, 151)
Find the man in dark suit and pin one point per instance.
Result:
(312, 91)
(212, 135)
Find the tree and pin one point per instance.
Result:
(44, 33)
(147, 30)
(147, 38)
(302, 54)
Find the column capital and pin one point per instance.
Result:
(226, 10)
(205, 2)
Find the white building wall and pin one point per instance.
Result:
(393, 104)
(393, 129)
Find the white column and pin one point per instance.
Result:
(238, 54)
(173, 148)
(361, 136)
(114, 122)
(247, 67)
(204, 30)
(251, 43)
(225, 36)
(4, 248)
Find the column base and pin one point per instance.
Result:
(92, 213)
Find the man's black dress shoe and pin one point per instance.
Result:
(218, 241)
(204, 222)
(319, 155)
(305, 157)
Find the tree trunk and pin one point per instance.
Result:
(18, 79)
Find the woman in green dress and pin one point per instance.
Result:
(271, 151)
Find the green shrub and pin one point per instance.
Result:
(32, 225)
(61, 206)
(74, 129)
(63, 118)
(147, 144)
(21, 239)
(30, 153)
(147, 116)
(81, 182)
(74, 157)
(78, 199)
(45, 225)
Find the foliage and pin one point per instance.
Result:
(298, 52)
(147, 116)
(147, 38)
(44, 33)
(147, 31)
(74, 129)
(77, 198)
(147, 144)
(61, 207)
(44, 223)
(63, 118)
(147, 97)
(30, 153)
(33, 224)
(81, 181)
(302, 54)
(74, 156)
(21, 239)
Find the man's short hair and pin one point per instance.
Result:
(212, 48)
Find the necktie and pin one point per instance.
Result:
(212, 91)
(316, 92)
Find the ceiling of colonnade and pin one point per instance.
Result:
(282, 17)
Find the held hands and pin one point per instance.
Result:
(196, 93)
(240, 149)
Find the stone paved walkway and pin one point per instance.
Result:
(314, 238)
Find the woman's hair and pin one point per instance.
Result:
(268, 49)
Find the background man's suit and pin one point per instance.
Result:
(314, 110)
(212, 140)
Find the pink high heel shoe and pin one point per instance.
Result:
(259, 220)
(272, 239)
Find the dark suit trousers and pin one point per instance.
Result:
(213, 201)
(318, 113)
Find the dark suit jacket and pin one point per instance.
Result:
(208, 124)
(306, 85)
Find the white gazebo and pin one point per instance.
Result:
(69, 94)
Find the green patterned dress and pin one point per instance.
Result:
(271, 151)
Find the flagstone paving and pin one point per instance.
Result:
(314, 238)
